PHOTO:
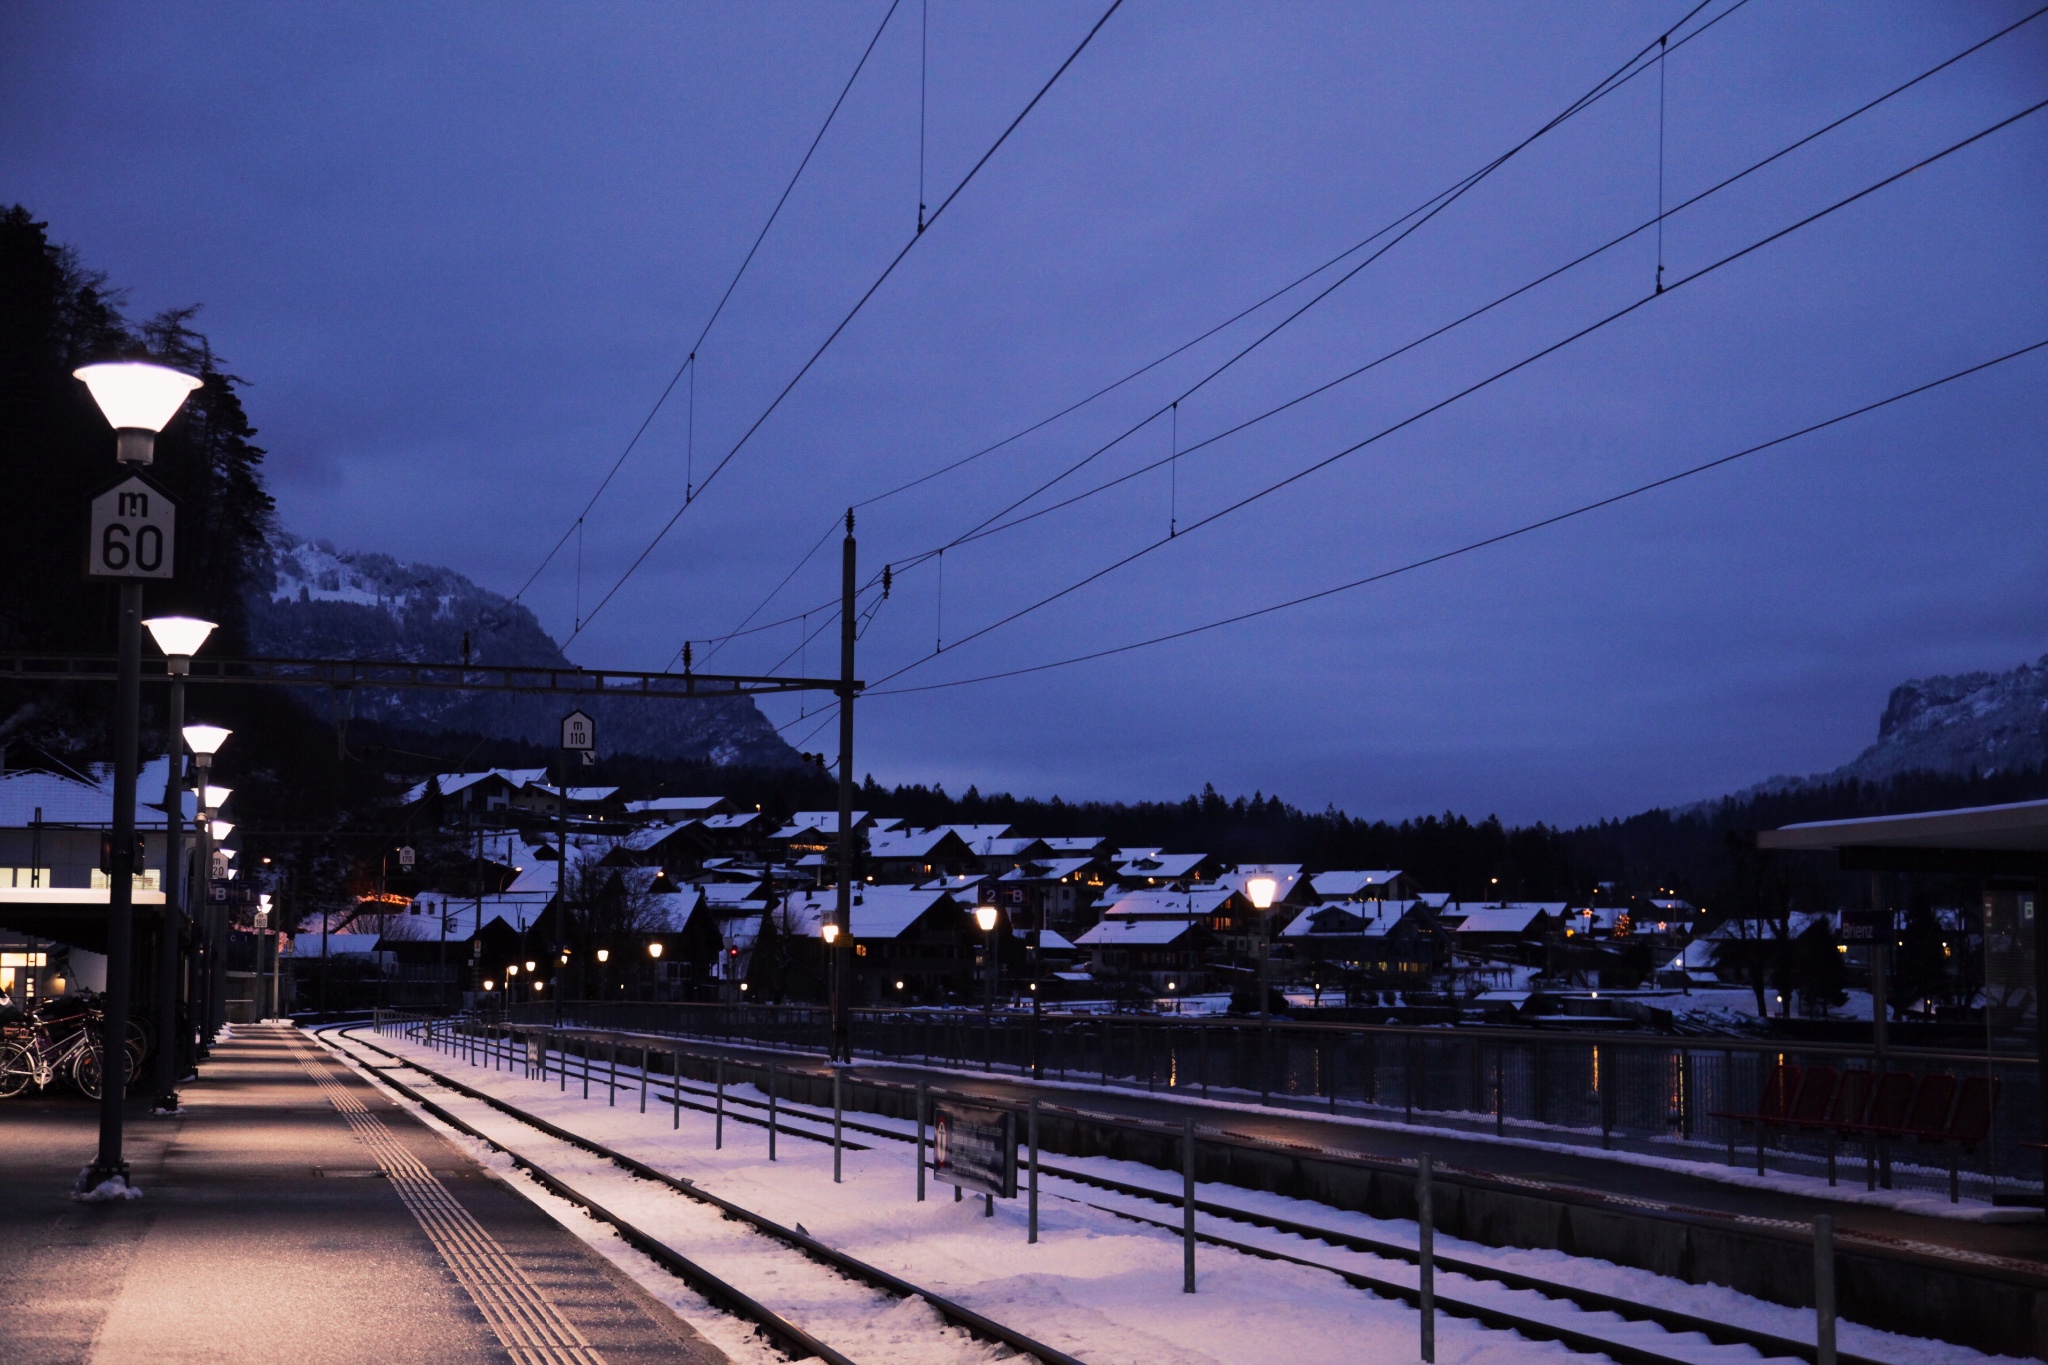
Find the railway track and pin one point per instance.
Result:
(754, 1282)
(1508, 1300)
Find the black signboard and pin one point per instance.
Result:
(1861, 926)
(975, 1149)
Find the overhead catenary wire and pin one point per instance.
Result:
(1614, 82)
(1496, 302)
(852, 312)
(689, 363)
(1471, 547)
(1493, 378)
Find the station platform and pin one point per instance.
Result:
(292, 1213)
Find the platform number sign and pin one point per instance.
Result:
(579, 733)
(133, 532)
(406, 857)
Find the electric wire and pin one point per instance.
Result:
(1628, 71)
(690, 363)
(851, 313)
(1476, 545)
(1495, 377)
(1108, 484)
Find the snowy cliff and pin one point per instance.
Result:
(319, 602)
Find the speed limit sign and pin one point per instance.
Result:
(132, 533)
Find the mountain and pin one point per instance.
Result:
(311, 600)
(1966, 724)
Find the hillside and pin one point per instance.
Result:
(311, 600)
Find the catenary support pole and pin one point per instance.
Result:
(836, 973)
(1425, 1236)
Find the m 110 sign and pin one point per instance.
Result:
(132, 532)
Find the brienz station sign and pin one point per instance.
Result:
(133, 532)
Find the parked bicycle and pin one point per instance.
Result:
(60, 1040)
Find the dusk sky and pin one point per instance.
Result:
(458, 251)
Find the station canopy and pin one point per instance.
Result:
(2008, 840)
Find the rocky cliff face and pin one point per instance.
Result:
(319, 602)
(1969, 723)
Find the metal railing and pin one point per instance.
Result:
(1644, 1093)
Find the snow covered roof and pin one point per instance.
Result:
(740, 821)
(1051, 869)
(1176, 905)
(1346, 885)
(1086, 843)
(1164, 866)
(965, 887)
(67, 801)
(452, 783)
(1125, 932)
(1354, 919)
(877, 911)
(980, 838)
(1053, 942)
(906, 843)
(337, 945)
(1500, 919)
(823, 821)
(647, 836)
(676, 805)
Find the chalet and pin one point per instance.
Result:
(814, 832)
(911, 945)
(543, 801)
(676, 846)
(742, 835)
(1165, 954)
(915, 855)
(671, 809)
(1511, 932)
(489, 796)
(1046, 893)
(1394, 943)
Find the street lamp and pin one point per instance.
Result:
(179, 637)
(205, 741)
(1260, 891)
(985, 916)
(137, 398)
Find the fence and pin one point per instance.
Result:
(1644, 1093)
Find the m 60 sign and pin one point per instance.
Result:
(133, 532)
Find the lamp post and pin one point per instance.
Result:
(204, 741)
(985, 916)
(654, 955)
(1260, 891)
(130, 540)
(179, 637)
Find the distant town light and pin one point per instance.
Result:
(899, 985)
(135, 395)
(179, 637)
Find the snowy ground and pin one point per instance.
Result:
(1100, 1287)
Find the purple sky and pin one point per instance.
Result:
(457, 254)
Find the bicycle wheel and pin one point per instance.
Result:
(141, 1037)
(86, 1073)
(17, 1069)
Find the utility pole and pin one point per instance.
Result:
(842, 1030)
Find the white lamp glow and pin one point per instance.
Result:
(205, 740)
(1260, 891)
(603, 955)
(985, 916)
(830, 931)
(179, 637)
(216, 797)
(222, 829)
(654, 950)
(135, 394)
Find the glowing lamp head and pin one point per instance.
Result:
(529, 966)
(603, 955)
(512, 970)
(205, 740)
(985, 916)
(137, 398)
(1260, 892)
(179, 637)
(216, 797)
(490, 985)
(830, 932)
(654, 950)
(538, 984)
(222, 829)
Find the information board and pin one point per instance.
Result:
(975, 1149)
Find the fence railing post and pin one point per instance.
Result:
(920, 1142)
(1425, 1244)
(773, 1075)
(1187, 1207)
(1031, 1136)
(1824, 1289)
(718, 1124)
(837, 1117)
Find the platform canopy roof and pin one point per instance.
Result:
(2008, 839)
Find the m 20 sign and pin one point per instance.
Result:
(132, 532)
